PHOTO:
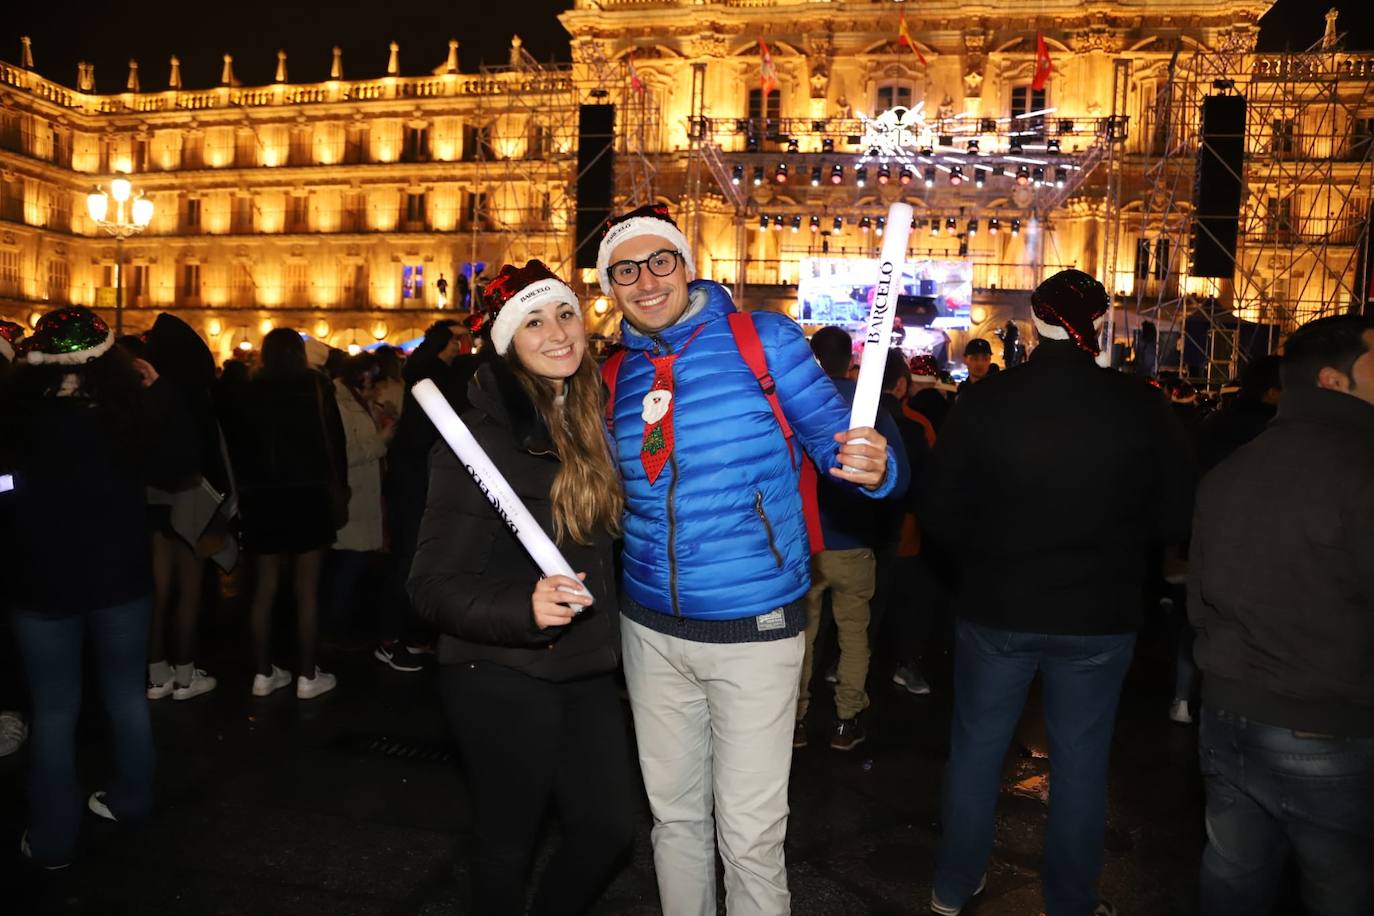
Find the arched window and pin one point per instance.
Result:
(892, 94)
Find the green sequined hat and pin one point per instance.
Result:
(68, 337)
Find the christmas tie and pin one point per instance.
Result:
(657, 446)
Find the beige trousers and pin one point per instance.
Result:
(848, 575)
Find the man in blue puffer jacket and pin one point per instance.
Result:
(716, 561)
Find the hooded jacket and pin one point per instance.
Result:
(721, 535)
(471, 578)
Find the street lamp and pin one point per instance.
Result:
(132, 214)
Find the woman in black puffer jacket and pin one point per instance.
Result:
(527, 669)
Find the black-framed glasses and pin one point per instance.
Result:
(661, 264)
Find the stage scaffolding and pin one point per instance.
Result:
(1305, 211)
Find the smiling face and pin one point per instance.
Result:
(551, 342)
(650, 303)
(978, 365)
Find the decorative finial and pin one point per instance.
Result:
(451, 65)
(281, 66)
(515, 44)
(27, 56)
(393, 65)
(336, 68)
(1330, 37)
(174, 78)
(226, 77)
(85, 76)
(132, 83)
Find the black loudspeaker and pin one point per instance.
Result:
(595, 177)
(1218, 186)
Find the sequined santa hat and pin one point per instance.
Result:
(651, 219)
(1071, 305)
(67, 337)
(517, 291)
(924, 369)
(10, 335)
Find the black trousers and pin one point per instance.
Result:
(903, 608)
(525, 743)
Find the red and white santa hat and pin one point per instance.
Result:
(1071, 305)
(651, 219)
(10, 335)
(517, 291)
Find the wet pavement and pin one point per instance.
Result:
(352, 804)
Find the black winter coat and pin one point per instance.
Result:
(471, 578)
(1096, 467)
(1282, 559)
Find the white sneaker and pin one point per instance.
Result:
(13, 733)
(200, 683)
(160, 691)
(98, 807)
(1178, 712)
(265, 685)
(307, 688)
(908, 677)
(944, 909)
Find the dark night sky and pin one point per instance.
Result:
(109, 33)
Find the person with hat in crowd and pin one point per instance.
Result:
(978, 359)
(1100, 468)
(445, 357)
(13, 729)
(716, 560)
(90, 428)
(927, 401)
(527, 661)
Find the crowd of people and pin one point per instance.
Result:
(706, 486)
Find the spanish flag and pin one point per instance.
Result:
(1043, 67)
(768, 74)
(904, 38)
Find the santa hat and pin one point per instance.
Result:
(924, 369)
(10, 335)
(68, 337)
(652, 219)
(518, 291)
(1071, 305)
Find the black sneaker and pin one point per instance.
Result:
(847, 734)
(799, 735)
(394, 655)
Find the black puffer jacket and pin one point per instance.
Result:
(471, 578)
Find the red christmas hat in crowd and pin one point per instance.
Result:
(517, 291)
(924, 368)
(1068, 306)
(10, 335)
(650, 219)
(67, 337)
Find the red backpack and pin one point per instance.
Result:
(751, 349)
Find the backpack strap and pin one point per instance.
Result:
(610, 371)
(751, 349)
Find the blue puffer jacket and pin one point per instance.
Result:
(720, 535)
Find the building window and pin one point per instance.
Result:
(476, 142)
(1162, 251)
(1025, 100)
(415, 211)
(1281, 137)
(191, 220)
(416, 148)
(193, 150)
(413, 281)
(771, 111)
(892, 95)
(190, 282)
(298, 213)
(475, 209)
(243, 290)
(243, 215)
(59, 281)
(297, 284)
(1142, 258)
(140, 163)
(9, 272)
(354, 284)
(545, 208)
(246, 149)
(1278, 219)
(138, 282)
(539, 141)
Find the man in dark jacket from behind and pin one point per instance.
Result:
(1099, 467)
(1282, 596)
(1244, 418)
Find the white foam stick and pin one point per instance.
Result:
(878, 338)
(493, 485)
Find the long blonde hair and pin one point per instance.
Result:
(587, 495)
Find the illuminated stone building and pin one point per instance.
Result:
(335, 207)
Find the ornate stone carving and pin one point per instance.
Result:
(707, 44)
(973, 82)
(587, 51)
(1097, 38)
(975, 58)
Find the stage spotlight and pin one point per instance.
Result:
(815, 224)
(837, 174)
(1015, 147)
(815, 176)
(861, 175)
(793, 146)
(884, 174)
(994, 225)
(758, 175)
(904, 176)
(951, 224)
(838, 225)
(980, 177)
(777, 222)
(934, 226)
(796, 223)
(972, 227)
(973, 147)
(1059, 177)
(929, 176)
(763, 220)
(864, 224)
(1038, 175)
(827, 145)
(1051, 146)
(956, 175)
(880, 224)
(1015, 227)
(780, 176)
(737, 175)
(1022, 175)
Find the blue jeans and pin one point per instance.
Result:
(1082, 678)
(1270, 791)
(51, 650)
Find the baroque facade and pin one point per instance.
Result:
(335, 207)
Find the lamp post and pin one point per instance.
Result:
(132, 214)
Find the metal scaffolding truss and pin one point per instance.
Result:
(523, 203)
(1304, 217)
